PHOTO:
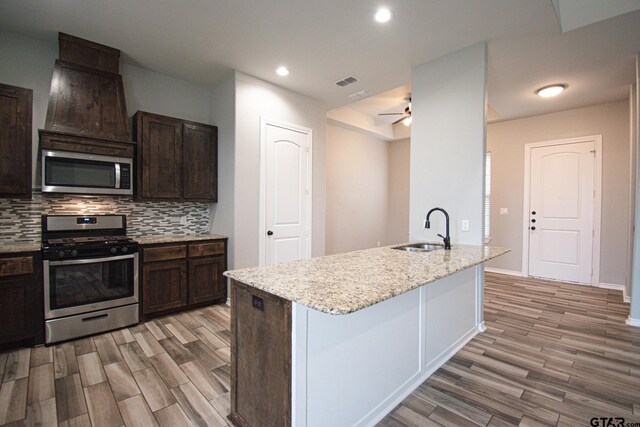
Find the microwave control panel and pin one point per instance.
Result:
(125, 176)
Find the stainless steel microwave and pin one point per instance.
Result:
(81, 173)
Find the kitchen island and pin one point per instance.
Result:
(340, 340)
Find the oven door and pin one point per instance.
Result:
(85, 285)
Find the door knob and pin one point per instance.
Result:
(269, 233)
(533, 228)
(533, 212)
(533, 220)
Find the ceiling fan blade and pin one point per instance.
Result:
(389, 114)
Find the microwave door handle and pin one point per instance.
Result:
(117, 165)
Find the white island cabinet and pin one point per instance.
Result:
(340, 340)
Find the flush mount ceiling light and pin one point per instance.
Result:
(383, 15)
(282, 71)
(552, 90)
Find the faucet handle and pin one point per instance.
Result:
(440, 235)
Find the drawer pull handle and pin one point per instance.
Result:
(100, 316)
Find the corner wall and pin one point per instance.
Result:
(357, 190)
(223, 114)
(448, 144)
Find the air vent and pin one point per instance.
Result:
(359, 95)
(346, 81)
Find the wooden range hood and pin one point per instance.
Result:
(87, 111)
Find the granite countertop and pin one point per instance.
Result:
(10, 248)
(348, 282)
(150, 240)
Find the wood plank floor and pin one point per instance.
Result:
(171, 371)
(553, 354)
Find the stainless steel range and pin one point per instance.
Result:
(90, 275)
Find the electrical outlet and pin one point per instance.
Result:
(378, 244)
(504, 211)
(465, 225)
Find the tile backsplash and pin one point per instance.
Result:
(20, 220)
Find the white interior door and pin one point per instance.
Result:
(561, 211)
(286, 193)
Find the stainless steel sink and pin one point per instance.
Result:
(419, 247)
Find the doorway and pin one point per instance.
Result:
(561, 233)
(285, 196)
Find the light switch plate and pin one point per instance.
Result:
(465, 225)
(504, 211)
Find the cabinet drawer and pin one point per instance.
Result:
(204, 249)
(164, 253)
(16, 266)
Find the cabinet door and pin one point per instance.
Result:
(15, 141)
(206, 282)
(200, 167)
(16, 308)
(160, 157)
(164, 285)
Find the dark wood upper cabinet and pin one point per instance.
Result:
(200, 161)
(15, 141)
(176, 159)
(159, 156)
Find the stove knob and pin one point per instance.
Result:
(74, 253)
(61, 254)
(114, 250)
(125, 249)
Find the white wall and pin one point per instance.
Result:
(223, 114)
(448, 144)
(398, 217)
(357, 190)
(506, 142)
(256, 98)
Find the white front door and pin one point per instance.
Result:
(561, 211)
(287, 181)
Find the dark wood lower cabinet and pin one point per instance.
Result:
(164, 285)
(181, 275)
(21, 300)
(206, 282)
(260, 358)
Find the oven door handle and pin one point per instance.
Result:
(92, 260)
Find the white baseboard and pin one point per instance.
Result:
(626, 297)
(613, 286)
(632, 322)
(507, 272)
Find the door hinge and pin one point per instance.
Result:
(593, 233)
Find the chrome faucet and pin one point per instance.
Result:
(427, 224)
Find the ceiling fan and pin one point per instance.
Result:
(406, 115)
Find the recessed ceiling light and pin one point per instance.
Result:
(553, 90)
(383, 15)
(282, 71)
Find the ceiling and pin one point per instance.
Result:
(325, 41)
